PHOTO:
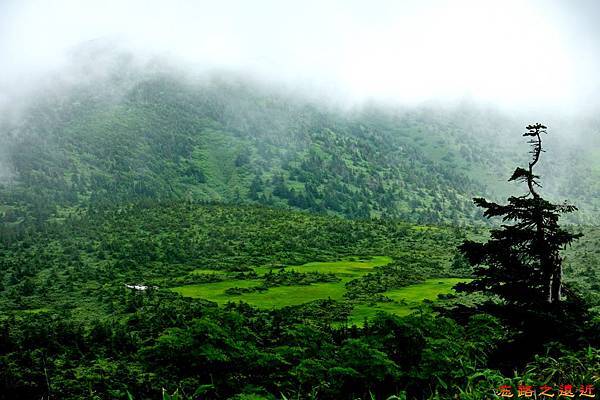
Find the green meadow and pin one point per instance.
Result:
(203, 271)
(404, 300)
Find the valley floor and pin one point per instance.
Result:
(401, 301)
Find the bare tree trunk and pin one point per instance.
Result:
(556, 285)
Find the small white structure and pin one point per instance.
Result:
(140, 287)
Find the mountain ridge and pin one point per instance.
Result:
(158, 135)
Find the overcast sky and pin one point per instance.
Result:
(508, 52)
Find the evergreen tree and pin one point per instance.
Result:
(256, 187)
(521, 262)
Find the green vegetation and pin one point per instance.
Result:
(275, 297)
(220, 240)
(155, 136)
(407, 299)
(521, 263)
(92, 254)
(67, 316)
(399, 301)
(349, 268)
(519, 269)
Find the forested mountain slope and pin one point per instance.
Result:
(157, 134)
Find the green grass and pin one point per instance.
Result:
(214, 291)
(404, 299)
(352, 267)
(201, 271)
(36, 310)
(282, 296)
(275, 297)
(427, 290)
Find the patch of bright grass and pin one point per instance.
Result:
(201, 271)
(406, 298)
(344, 268)
(282, 296)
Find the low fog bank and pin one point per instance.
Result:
(107, 68)
(526, 56)
(105, 71)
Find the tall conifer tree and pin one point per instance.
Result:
(521, 263)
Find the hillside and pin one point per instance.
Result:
(270, 200)
(174, 244)
(158, 135)
(223, 238)
(289, 285)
